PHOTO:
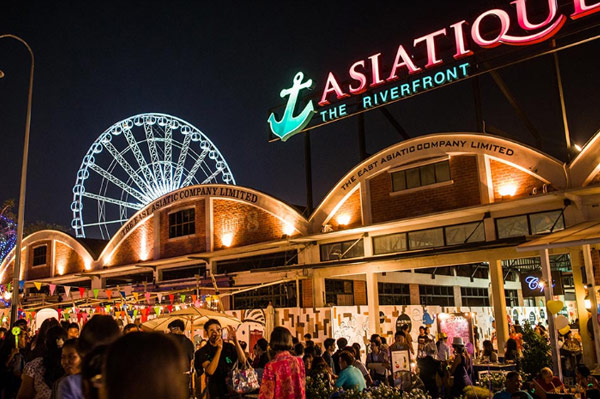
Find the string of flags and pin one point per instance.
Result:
(141, 307)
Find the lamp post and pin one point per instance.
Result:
(21, 211)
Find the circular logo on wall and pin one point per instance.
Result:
(402, 320)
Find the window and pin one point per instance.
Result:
(280, 295)
(421, 176)
(39, 255)
(394, 294)
(339, 292)
(530, 224)
(515, 226)
(440, 295)
(389, 243)
(426, 238)
(474, 270)
(440, 271)
(544, 222)
(463, 233)
(342, 250)
(184, 272)
(181, 223)
(473, 296)
(512, 298)
(275, 259)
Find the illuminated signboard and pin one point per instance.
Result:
(531, 284)
(370, 82)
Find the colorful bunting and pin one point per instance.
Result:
(108, 294)
(95, 291)
(159, 297)
(182, 298)
(194, 298)
(157, 310)
(38, 285)
(147, 295)
(136, 295)
(81, 292)
(170, 307)
(52, 288)
(67, 290)
(21, 285)
(171, 298)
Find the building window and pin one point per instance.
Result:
(546, 222)
(39, 255)
(473, 296)
(426, 238)
(421, 176)
(182, 223)
(342, 250)
(473, 270)
(389, 243)
(464, 233)
(530, 224)
(435, 271)
(339, 292)
(512, 298)
(280, 295)
(439, 295)
(394, 294)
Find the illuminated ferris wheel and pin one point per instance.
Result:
(136, 161)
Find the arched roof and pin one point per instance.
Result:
(269, 204)
(530, 160)
(50, 235)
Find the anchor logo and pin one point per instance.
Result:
(290, 124)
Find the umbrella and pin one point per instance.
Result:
(192, 317)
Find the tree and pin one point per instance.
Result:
(537, 353)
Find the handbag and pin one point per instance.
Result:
(243, 380)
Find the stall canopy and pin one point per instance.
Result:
(586, 233)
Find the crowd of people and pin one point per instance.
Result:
(103, 361)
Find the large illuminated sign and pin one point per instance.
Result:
(370, 82)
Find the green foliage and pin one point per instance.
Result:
(536, 352)
(317, 388)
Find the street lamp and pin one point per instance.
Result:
(21, 212)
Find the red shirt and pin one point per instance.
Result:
(283, 378)
(555, 383)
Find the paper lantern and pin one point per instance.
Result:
(555, 306)
(564, 330)
(561, 322)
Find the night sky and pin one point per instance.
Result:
(220, 66)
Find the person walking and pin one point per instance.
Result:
(284, 376)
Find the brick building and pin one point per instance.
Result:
(429, 225)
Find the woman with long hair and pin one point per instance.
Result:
(320, 370)
(284, 375)
(162, 375)
(38, 344)
(488, 355)
(41, 373)
(460, 367)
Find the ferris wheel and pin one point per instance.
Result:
(136, 161)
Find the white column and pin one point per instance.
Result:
(499, 303)
(373, 303)
(592, 290)
(548, 294)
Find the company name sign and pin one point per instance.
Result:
(368, 84)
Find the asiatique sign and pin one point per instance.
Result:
(370, 84)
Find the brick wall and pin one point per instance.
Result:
(246, 223)
(137, 246)
(37, 272)
(188, 244)
(505, 174)
(352, 209)
(69, 259)
(307, 293)
(462, 193)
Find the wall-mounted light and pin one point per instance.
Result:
(587, 304)
(87, 264)
(60, 268)
(507, 190)
(577, 147)
(227, 239)
(288, 229)
(343, 219)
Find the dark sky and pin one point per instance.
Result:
(220, 66)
